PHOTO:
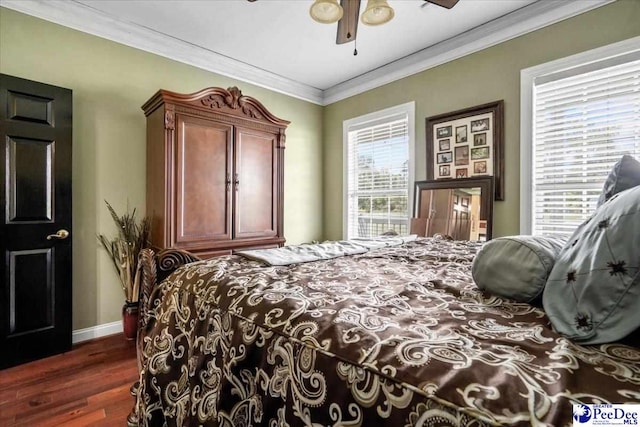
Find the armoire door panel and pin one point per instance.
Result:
(30, 180)
(255, 213)
(203, 184)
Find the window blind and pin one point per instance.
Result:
(378, 178)
(582, 125)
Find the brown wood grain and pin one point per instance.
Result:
(87, 386)
(215, 172)
(255, 196)
(203, 180)
(157, 193)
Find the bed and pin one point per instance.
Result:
(397, 336)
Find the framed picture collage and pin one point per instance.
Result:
(466, 144)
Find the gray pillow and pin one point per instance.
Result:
(624, 175)
(593, 292)
(516, 267)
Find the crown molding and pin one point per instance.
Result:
(86, 19)
(522, 21)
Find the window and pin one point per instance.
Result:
(581, 119)
(378, 175)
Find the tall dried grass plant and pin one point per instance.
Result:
(124, 249)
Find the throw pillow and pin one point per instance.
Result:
(624, 175)
(593, 292)
(516, 267)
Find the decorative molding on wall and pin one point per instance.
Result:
(88, 20)
(86, 334)
(83, 18)
(515, 24)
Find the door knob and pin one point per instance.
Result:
(60, 234)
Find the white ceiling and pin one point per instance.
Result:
(279, 35)
(275, 43)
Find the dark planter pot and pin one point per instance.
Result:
(130, 320)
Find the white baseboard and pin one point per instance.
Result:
(98, 331)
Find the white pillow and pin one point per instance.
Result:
(593, 292)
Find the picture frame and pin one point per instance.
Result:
(478, 136)
(479, 167)
(480, 139)
(462, 155)
(479, 125)
(444, 132)
(479, 153)
(444, 144)
(461, 134)
(445, 157)
(445, 170)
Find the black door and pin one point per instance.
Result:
(35, 241)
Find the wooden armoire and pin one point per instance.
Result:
(215, 172)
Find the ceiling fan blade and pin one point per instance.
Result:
(444, 3)
(348, 24)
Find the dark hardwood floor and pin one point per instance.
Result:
(88, 386)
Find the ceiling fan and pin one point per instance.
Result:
(346, 14)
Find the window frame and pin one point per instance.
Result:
(583, 62)
(371, 119)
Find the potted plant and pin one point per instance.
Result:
(123, 250)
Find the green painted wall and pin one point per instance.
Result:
(485, 76)
(110, 82)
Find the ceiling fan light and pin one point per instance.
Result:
(326, 11)
(377, 12)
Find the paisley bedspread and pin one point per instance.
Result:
(398, 336)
